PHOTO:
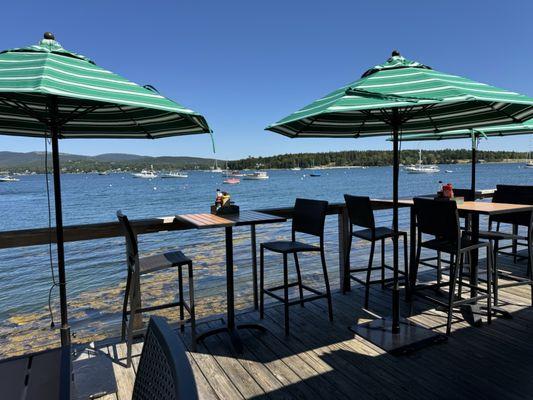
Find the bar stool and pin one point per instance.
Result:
(138, 266)
(440, 219)
(309, 218)
(515, 195)
(361, 214)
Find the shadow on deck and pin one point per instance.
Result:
(323, 360)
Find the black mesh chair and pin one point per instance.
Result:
(361, 214)
(164, 372)
(440, 219)
(468, 195)
(138, 266)
(309, 218)
(514, 195)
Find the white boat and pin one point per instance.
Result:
(236, 174)
(8, 178)
(174, 175)
(146, 174)
(103, 173)
(256, 176)
(296, 168)
(529, 163)
(421, 168)
(216, 169)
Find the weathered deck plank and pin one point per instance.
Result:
(325, 360)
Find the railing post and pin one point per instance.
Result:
(344, 275)
(137, 304)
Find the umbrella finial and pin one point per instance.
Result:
(49, 35)
(395, 53)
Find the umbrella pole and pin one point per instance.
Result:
(395, 181)
(65, 329)
(474, 162)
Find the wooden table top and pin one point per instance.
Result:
(477, 207)
(207, 220)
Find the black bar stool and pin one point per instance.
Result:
(440, 219)
(361, 214)
(516, 195)
(309, 218)
(138, 266)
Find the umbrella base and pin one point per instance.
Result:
(411, 337)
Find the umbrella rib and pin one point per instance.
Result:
(135, 123)
(504, 113)
(75, 116)
(21, 106)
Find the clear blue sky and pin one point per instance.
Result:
(245, 64)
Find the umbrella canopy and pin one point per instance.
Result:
(47, 91)
(408, 97)
(92, 102)
(429, 101)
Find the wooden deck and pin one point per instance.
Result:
(323, 360)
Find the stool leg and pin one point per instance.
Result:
(261, 282)
(299, 275)
(490, 266)
(460, 276)
(191, 306)
(405, 266)
(125, 306)
(453, 269)
(180, 284)
(369, 272)
(439, 268)
(326, 282)
(530, 258)
(347, 263)
(495, 270)
(286, 293)
(515, 243)
(383, 263)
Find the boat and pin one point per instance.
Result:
(216, 169)
(315, 174)
(296, 168)
(529, 163)
(174, 175)
(8, 178)
(237, 174)
(231, 181)
(448, 171)
(146, 174)
(256, 176)
(103, 173)
(421, 168)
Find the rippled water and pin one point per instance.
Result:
(96, 271)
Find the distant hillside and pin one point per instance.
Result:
(34, 161)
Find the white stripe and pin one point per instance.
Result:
(420, 81)
(453, 87)
(62, 71)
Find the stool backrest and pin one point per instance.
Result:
(468, 194)
(132, 250)
(164, 371)
(309, 217)
(360, 211)
(514, 194)
(438, 218)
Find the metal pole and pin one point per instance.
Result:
(474, 162)
(65, 329)
(395, 179)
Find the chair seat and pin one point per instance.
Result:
(495, 235)
(162, 261)
(448, 247)
(288, 246)
(382, 232)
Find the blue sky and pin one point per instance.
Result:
(245, 64)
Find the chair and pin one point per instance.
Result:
(164, 372)
(309, 218)
(440, 219)
(361, 214)
(514, 195)
(138, 266)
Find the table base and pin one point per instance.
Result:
(411, 337)
(235, 338)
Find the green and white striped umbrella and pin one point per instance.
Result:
(428, 101)
(91, 101)
(525, 128)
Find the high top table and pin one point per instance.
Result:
(244, 218)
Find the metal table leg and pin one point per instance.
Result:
(231, 327)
